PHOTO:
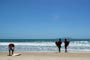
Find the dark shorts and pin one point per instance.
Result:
(11, 49)
(59, 46)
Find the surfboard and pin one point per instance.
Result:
(16, 54)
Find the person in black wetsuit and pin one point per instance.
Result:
(66, 44)
(11, 49)
(58, 44)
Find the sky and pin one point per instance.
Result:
(44, 19)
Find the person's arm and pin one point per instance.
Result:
(13, 46)
(8, 46)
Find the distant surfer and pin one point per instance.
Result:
(66, 44)
(58, 44)
(11, 47)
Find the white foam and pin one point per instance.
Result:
(72, 43)
(32, 44)
(80, 43)
(47, 46)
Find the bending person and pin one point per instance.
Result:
(11, 49)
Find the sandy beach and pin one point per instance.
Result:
(46, 56)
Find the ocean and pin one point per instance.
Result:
(44, 45)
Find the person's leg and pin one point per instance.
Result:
(9, 52)
(12, 52)
(59, 49)
(65, 49)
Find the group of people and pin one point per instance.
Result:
(59, 43)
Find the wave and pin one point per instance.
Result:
(32, 44)
(72, 43)
(46, 46)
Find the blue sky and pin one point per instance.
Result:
(42, 19)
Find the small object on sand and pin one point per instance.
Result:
(18, 54)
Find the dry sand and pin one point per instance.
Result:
(46, 56)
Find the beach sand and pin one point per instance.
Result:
(46, 56)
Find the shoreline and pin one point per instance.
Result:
(47, 51)
(45, 56)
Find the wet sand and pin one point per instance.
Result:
(45, 56)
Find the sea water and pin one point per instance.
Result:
(44, 45)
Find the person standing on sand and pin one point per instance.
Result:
(66, 43)
(11, 47)
(58, 44)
